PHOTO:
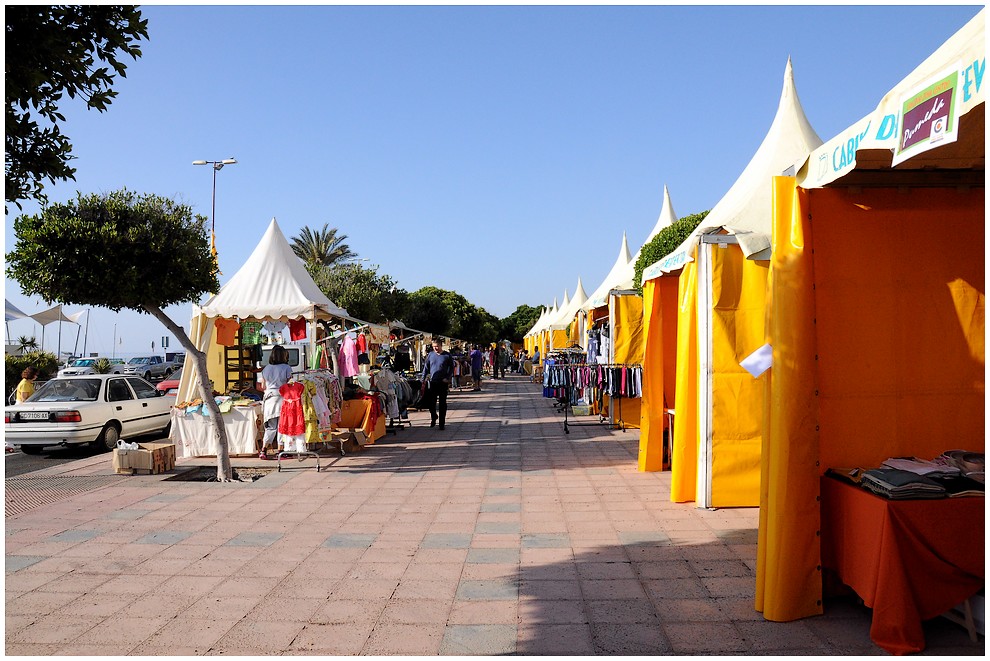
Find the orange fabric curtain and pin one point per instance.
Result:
(684, 463)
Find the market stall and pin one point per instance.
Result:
(719, 426)
(876, 313)
(272, 286)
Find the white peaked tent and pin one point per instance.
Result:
(535, 328)
(620, 276)
(728, 302)
(558, 325)
(272, 285)
(666, 218)
(744, 211)
(569, 309)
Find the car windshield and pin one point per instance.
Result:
(68, 390)
(84, 362)
(138, 361)
(176, 375)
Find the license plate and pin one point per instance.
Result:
(33, 415)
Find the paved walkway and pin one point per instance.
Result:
(499, 535)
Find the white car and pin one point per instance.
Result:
(81, 366)
(97, 409)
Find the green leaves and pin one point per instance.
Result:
(664, 243)
(51, 51)
(119, 250)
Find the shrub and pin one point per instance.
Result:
(664, 243)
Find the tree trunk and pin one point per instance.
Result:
(224, 473)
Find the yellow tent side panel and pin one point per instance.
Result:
(788, 577)
(651, 414)
(684, 462)
(559, 339)
(628, 332)
(738, 299)
(668, 304)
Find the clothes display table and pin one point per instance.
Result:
(908, 560)
(193, 433)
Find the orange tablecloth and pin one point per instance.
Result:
(359, 414)
(908, 560)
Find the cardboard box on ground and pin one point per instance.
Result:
(151, 458)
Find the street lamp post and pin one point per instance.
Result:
(217, 166)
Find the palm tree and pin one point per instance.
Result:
(25, 343)
(323, 247)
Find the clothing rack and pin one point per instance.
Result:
(568, 387)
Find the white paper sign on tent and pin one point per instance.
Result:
(759, 361)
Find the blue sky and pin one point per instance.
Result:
(497, 151)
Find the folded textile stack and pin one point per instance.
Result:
(898, 484)
(918, 466)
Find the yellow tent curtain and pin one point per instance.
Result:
(659, 358)
(684, 462)
(651, 414)
(877, 324)
(627, 337)
(738, 300)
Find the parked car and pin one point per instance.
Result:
(81, 366)
(97, 409)
(149, 367)
(170, 386)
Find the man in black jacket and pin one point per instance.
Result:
(437, 372)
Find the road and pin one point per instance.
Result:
(18, 463)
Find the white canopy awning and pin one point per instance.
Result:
(566, 314)
(666, 218)
(13, 312)
(272, 284)
(904, 128)
(620, 276)
(745, 210)
(52, 315)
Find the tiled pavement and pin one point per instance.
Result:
(499, 535)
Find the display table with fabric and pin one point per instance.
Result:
(908, 560)
(361, 414)
(192, 433)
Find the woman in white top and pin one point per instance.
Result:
(275, 375)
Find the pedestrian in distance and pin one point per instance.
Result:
(438, 370)
(476, 364)
(501, 360)
(26, 387)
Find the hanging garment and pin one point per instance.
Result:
(348, 357)
(362, 343)
(251, 332)
(226, 331)
(297, 329)
(291, 421)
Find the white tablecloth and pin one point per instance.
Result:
(193, 434)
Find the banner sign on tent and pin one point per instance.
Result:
(927, 117)
(953, 76)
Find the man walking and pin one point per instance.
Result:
(476, 363)
(438, 370)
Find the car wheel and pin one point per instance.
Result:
(32, 449)
(108, 438)
(147, 376)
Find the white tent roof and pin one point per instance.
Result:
(619, 277)
(566, 314)
(958, 56)
(666, 218)
(535, 328)
(745, 210)
(52, 315)
(13, 312)
(551, 314)
(272, 284)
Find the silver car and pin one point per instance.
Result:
(81, 366)
(97, 409)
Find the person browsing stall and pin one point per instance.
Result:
(26, 387)
(438, 369)
(274, 375)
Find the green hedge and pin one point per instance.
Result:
(45, 361)
(664, 243)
